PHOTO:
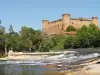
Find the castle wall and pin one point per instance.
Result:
(54, 27)
(79, 23)
(53, 23)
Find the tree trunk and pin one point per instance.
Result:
(6, 51)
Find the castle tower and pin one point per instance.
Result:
(44, 26)
(95, 20)
(65, 21)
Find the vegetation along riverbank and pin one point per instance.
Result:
(28, 39)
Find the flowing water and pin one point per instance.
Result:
(41, 67)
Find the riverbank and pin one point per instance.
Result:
(89, 68)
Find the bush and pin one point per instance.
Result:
(68, 42)
(58, 42)
(46, 45)
(70, 28)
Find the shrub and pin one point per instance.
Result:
(70, 28)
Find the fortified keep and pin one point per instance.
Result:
(59, 26)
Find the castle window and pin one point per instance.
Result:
(72, 23)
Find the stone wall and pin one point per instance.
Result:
(79, 23)
(54, 27)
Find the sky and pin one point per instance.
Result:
(31, 12)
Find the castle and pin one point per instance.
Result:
(60, 25)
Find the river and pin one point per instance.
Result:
(41, 67)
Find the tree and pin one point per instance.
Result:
(70, 28)
(11, 29)
(37, 39)
(10, 39)
(58, 42)
(32, 38)
(45, 45)
(2, 40)
(69, 42)
(83, 36)
(88, 35)
(25, 40)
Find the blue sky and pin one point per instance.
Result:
(32, 12)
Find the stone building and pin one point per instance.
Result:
(60, 25)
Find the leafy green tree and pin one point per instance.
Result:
(37, 39)
(70, 28)
(25, 40)
(46, 45)
(83, 36)
(11, 29)
(10, 39)
(76, 42)
(30, 38)
(2, 41)
(58, 41)
(87, 35)
(69, 42)
(95, 35)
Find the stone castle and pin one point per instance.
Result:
(60, 25)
